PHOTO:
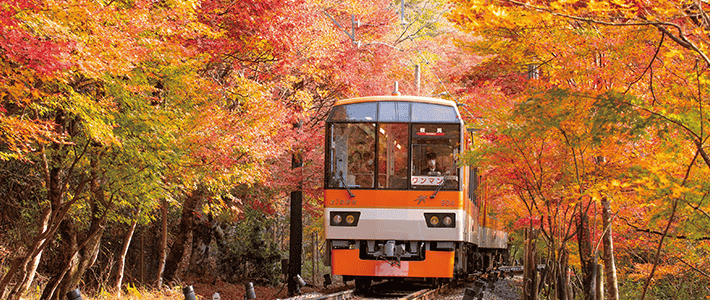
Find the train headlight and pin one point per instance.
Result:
(351, 218)
(440, 220)
(434, 220)
(448, 221)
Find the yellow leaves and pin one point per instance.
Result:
(303, 100)
(563, 5)
(599, 5)
(678, 191)
(574, 259)
(114, 38)
(97, 118)
(621, 3)
(616, 183)
(675, 53)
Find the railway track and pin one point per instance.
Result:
(349, 294)
(469, 288)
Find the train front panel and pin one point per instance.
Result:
(394, 233)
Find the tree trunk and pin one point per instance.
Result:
(201, 239)
(30, 270)
(585, 255)
(163, 243)
(598, 283)
(56, 179)
(530, 266)
(562, 277)
(612, 289)
(186, 227)
(122, 256)
(80, 257)
(49, 223)
(22, 264)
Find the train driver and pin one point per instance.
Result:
(432, 169)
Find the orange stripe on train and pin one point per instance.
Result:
(394, 199)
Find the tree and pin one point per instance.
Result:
(549, 151)
(596, 47)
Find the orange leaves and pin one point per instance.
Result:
(642, 271)
(19, 136)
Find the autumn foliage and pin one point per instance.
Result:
(179, 119)
(594, 102)
(125, 118)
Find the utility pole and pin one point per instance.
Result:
(418, 78)
(296, 227)
(402, 21)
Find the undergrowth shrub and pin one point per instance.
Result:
(248, 253)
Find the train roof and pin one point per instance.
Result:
(394, 108)
(421, 99)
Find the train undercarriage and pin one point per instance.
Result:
(429, 262)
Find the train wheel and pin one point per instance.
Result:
(435, 282)
(362, 284)
(439, 282)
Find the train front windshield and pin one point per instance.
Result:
(393, 145)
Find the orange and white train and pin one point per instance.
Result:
(397, 203)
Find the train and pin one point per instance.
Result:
(398, 203)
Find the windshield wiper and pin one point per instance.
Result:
(345, 185)
(438, 188)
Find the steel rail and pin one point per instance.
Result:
(349, 294)
(425, 294)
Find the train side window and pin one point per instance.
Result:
(473, 184)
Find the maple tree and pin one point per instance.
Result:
(122, 118)
(559, 160)
(652, 53)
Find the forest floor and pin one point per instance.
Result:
(237, 291)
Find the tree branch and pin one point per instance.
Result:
(645, 230)
(693, 267)
(680, 38)
(650, 64)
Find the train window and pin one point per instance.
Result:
(425, 112)
(434, 149)
(352, 155)
(473, 185)
(365, 112)
(393, 144)
(394, 112)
